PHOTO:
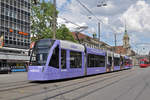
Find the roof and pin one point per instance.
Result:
(120, 49)
(80, 35)
(88, 38)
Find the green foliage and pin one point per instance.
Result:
(63, 33)
(42, 18)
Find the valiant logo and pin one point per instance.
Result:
(73, 46)
(95, 50)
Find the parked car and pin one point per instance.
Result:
(5, 70)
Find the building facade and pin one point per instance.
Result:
(126, 40)
(14, 31)
(125, 49)
(91, 42)
(15, 23)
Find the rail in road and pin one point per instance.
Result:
(16, 85)
(57, 89)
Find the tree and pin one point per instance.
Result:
(42, 18)
(63, 33)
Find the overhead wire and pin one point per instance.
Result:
(85, 7)
(70, 21)
(88, 10)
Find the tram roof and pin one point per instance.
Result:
(116, 55)
(71, 46)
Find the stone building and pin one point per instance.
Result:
(91, 41)
(14, 32)
(125, 49)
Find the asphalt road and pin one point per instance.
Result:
(133, 84)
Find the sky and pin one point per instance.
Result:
(135, 13)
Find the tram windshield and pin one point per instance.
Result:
(143, 62)
(40, 52)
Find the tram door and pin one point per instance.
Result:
(63, 63)
(63, 59)
(109, 63)
(121, 62)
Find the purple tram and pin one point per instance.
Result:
(96, 59)
(59, 59)
(117, 61)
(109, 61)
(127, 62)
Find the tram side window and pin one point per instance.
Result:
(54, 61)
(96, 60)
(63, 59)
(75, 59)
(116, 61)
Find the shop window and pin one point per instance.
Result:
(75, 59)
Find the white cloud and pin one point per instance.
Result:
(61, 2)
(135, 12)
(137, 17)
(104, 20)
(91, 30)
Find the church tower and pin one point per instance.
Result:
(126, 40)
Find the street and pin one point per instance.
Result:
(133, 84)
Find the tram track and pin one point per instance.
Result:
(14, 87)
(57, 87)
(13, 84)
(86, 86)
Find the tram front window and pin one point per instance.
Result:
(142, 62)
(40, 52)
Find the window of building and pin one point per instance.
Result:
(75, 59)
(63, 59)
(10, 42)
(96, 60)
(54, 61)
(2, 11)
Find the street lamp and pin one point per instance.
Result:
(77, 29)
(100, 4)
(81, 28)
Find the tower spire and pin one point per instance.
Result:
(126, 38)
(125, 27)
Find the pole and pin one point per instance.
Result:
(99, 31)
(55, 20)
(115, 42)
